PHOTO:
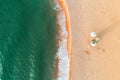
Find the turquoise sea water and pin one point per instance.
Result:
(27, 40)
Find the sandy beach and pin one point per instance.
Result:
(101, 62)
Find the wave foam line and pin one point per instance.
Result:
(64, 49)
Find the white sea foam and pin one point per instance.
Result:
(62, 54)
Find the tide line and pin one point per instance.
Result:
(64, 49)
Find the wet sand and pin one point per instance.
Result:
(101, 62)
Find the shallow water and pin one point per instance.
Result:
(27, 40)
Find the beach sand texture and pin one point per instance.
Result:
(101, 62)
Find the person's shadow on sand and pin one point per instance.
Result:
(108, 29)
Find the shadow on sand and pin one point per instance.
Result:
(108, 29)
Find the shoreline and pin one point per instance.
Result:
(64, 41)
(63, 5)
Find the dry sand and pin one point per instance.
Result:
(103, 61)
